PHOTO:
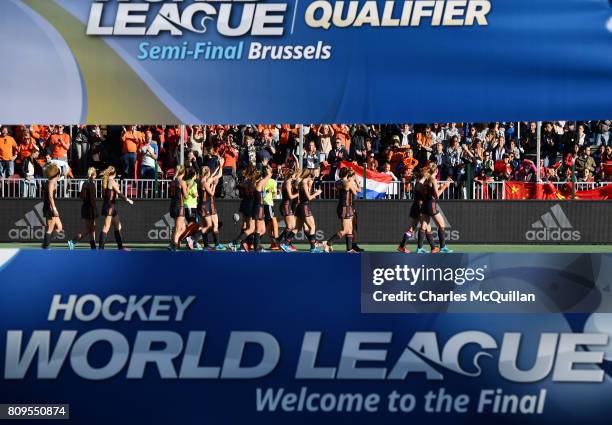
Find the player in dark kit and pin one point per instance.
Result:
(89, 211)
(418, 196)
(54, 223)
(429, 210)
(178, 192)
(110, 192)
(246, 190)
(289, 201)
(347, 189)
(305, 219)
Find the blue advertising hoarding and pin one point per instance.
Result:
(220, 338)
(305, 61)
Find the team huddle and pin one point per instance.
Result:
(192, 206)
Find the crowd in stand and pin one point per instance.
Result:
(478, 151)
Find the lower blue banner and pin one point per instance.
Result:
(159, 338)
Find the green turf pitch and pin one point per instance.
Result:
(375, 248)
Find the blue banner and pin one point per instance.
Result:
(216, 338)
(305, 61)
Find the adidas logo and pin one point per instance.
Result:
(553, 226)
(162, 230)
(451, 235)
(301, 236)
(32, 226)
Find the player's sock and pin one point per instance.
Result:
(216, 238)
(256, 241)
(420, 239)
(442, 237)
(331, 240)
(283, 236)
(46, 241)
(290, 236)
(405, 240)
(102, 240)
(119, 239)
(197, 236)
(430, 240)
(349, 242)
(92, 244)
(205, 239)
(313, 242)
(240, 238)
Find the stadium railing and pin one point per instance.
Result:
(159, 189)
(495, 190)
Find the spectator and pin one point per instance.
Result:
(338, 155)
(500, 149)
(601, 132)
(406, 136)
(197, 139)
(149, 152)
(230, 155)
(81, 143)
(585, 161)
(581, 136)
(326, 134)
(58, 147)
(131, 139)
(311, 157)
(8, 153)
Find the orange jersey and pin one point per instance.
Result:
(59, 144)
(131, 140)
(26, 149)
(8, 147)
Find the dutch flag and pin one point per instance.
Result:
(376, 185)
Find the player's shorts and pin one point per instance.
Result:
(49, 213)
(210, 208)
(303, 211)
(344, 212)
(257, 212)
(415, 210)
(430, 208)
(89, 212)
(246, 207)
(177, 211)
(268, 212)
(191, 215)
(109, 211)
(287, 209)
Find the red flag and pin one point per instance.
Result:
(600, 194)
(520, 190)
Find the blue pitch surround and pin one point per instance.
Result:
(299, 306)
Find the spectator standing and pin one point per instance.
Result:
(585, 161)
(8, 153)
(311, 157)
(549, 144)
(58, 147)
(131, 139)
(337, 155)
(406, 136)
(326, 135)
(81, 143)
(149, 152)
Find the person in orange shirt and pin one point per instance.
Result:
(131, 139)
(58, 146)
(8, 153)
(27, 146)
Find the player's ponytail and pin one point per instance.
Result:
(106, 175)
